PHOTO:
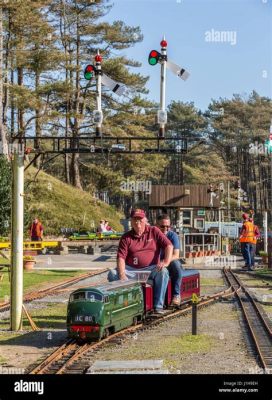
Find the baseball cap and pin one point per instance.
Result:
(137, 213)
(245, 216)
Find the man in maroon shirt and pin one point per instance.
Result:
(139, 250)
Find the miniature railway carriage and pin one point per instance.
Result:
(190, 284)
(85, 235)
(96, 312)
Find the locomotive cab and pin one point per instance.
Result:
(85, 314)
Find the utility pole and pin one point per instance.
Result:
(17, 239)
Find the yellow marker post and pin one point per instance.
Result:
(195, 300)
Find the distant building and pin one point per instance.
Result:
(189, 206)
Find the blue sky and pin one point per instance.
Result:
(217, 68)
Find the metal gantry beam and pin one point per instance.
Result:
(105, 145)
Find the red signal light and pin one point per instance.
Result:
(163, 43)
(89, 68)
(153, 53)
(98, 58)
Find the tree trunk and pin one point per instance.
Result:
(3, 133)
(67, 109)
(37, 124)
(75, 173)
(20, 112)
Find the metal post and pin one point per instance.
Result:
(238, 199)
(194, 314)
(219, 221)
(270, 251)
(98, 60)
(194, 319)
(265, 231)
(163, 84)
(228, 201)
(17, 242)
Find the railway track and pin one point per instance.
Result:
(259, 325)
(52, 289)
(72, 358)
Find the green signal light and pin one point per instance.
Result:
(153, 61)
(89, 72)
(154, 57)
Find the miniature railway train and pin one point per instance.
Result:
(96, 312)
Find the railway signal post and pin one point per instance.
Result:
(98, 115)
(162, 114)
(154, 58)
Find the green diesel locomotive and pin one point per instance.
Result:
(96, 312)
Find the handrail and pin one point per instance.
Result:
(213, 243)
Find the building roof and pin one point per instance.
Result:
(193, 196)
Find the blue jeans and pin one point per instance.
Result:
(159, 280)
(175, 273)
(252, 253)
(248, 254)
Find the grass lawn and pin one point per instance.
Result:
(264, 273)
(48, 316)
(35, 280)
(4, 261)
(60, 205)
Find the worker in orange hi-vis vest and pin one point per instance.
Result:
(247, 239)
(257, 235)
(36, 230)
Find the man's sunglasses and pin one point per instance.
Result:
(165, 226)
